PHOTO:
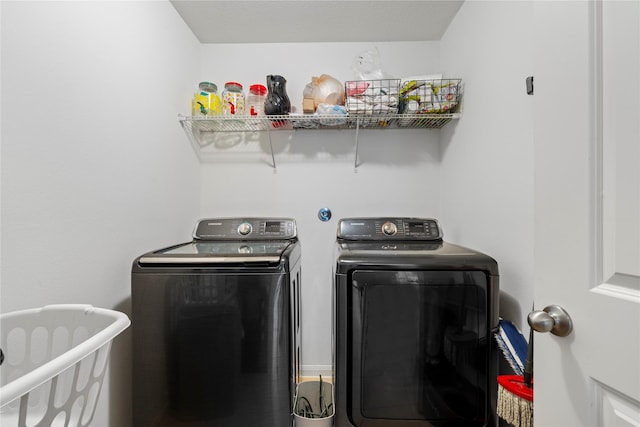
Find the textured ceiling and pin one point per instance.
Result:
(286, 21)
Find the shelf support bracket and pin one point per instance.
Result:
(273, 157)
(355, 160)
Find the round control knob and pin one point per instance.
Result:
(244, 228)
(245, 250)
(389, 228)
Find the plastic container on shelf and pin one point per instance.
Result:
(233, 99)
(206, 101)
(55, 359)
(255, 100)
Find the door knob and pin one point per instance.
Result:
(552, 318)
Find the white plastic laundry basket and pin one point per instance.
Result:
(55, 359)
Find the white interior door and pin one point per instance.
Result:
(587, 211)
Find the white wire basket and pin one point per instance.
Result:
(55, 359)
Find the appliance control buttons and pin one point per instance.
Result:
(389, 228)
(244, 228)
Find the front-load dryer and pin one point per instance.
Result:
(216, 326)
(413, 325)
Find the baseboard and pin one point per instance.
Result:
(311, 372)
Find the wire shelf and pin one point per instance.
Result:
(200, 130)
(195, 125)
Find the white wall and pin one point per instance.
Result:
(487, 158)
(95, 169)
(398, 172)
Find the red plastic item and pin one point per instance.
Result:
(260, 90)
(515, 385)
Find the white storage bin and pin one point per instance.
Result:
(55, 359)
(309, 409)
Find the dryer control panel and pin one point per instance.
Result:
(389, 229)
(245, 229)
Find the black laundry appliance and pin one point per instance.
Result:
(216, 326)
(413, 325)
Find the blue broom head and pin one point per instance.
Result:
(513, 345)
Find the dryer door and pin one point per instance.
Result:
(420, 349)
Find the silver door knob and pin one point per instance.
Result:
(552, 318)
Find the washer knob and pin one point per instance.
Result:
(389, 228)
(244, 228)
(244, 249)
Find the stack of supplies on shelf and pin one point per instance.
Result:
(372, 96)
(431, 95)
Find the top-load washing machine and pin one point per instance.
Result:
(216, 326)
(413, 325)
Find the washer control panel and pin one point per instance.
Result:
(245, 229)
(389, 229)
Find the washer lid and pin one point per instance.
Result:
(216, 252)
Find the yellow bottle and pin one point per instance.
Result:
(206, 102)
